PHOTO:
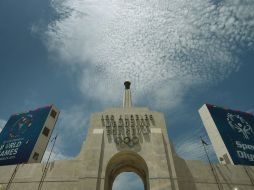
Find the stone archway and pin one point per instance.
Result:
(126, 161)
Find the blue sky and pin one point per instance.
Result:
(77, 54)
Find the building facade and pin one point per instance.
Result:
(127, 139)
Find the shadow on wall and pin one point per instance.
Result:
(184, 175)
(184, 179)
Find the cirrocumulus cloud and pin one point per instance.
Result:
(169, 45)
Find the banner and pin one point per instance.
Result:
(237, 131)
(20, 134)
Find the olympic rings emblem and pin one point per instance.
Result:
(127, 140)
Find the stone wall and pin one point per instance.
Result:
(152, 157)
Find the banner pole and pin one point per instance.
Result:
(214, 174)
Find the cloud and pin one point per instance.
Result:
(153, 44)
(100, 88)
(70, 129)
(2, 124)
(189, 147)
(128, 180)
(55, 155)
(72, 126)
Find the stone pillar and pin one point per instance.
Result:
(127, 103)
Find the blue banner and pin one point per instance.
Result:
(20, 134)
(237, 131)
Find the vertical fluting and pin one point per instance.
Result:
(127, 95)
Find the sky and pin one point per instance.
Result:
(77, 54)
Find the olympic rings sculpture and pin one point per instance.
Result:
(127, 140)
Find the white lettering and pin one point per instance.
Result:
(245, 155)
(240, 154)
(13, 145)
(9, 152)
(244, 146)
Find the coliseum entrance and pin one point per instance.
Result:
(126, 161)
(128, 139)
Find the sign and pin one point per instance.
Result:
(237, 131)
(20, 134)
(127, 129)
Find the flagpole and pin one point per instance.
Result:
(12, 176)
(206, 152)
(47, 163)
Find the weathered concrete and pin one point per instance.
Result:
(147, 151)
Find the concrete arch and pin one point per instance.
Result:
(126, 161)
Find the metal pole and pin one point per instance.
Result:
(47, 163)
(12, 177)
(214, 174)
